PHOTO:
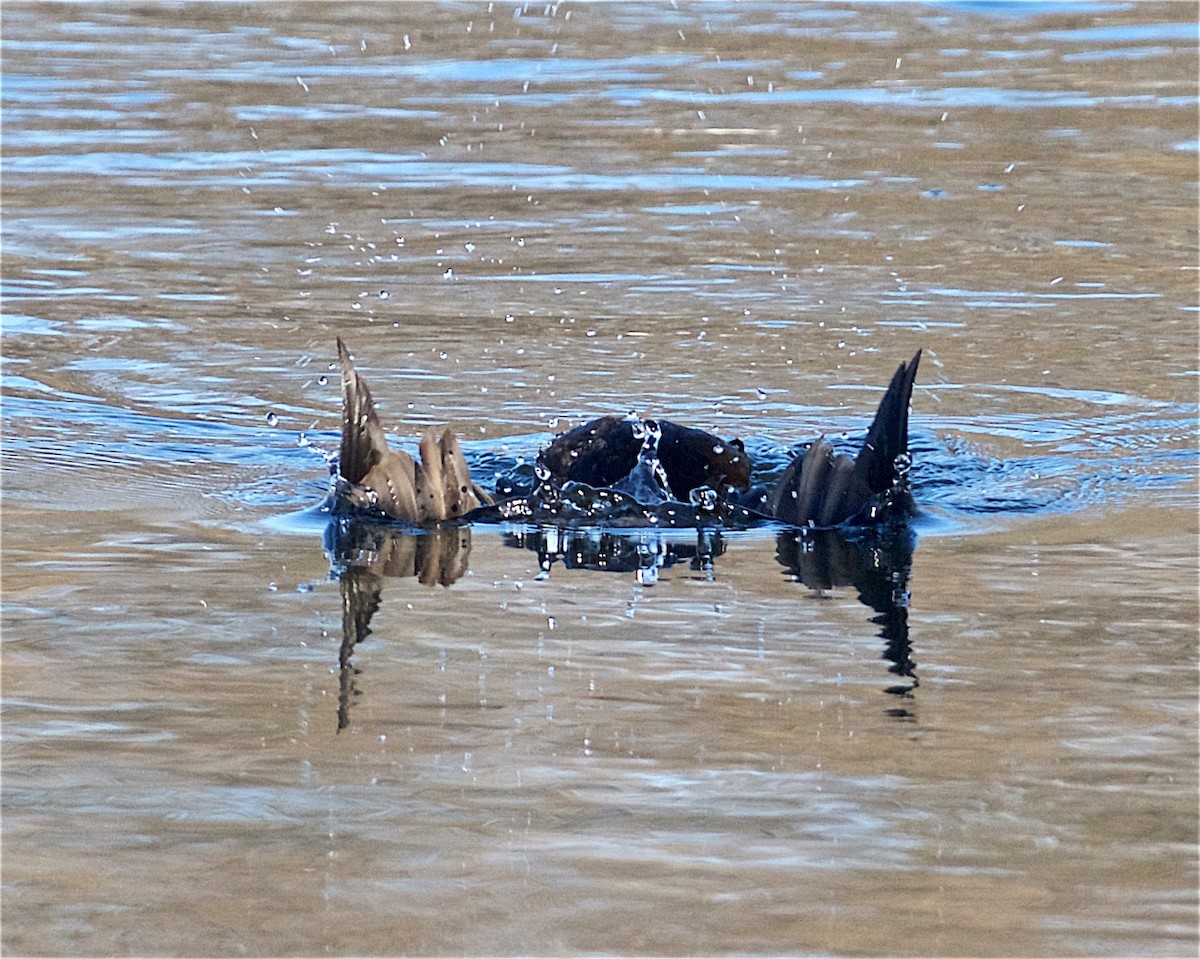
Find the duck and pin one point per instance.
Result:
(652, 463)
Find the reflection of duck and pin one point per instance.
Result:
(642, 552)
(434, 556)
(875, 561)
(649, 462)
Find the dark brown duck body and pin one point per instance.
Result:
(602, 452)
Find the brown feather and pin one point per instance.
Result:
(436, 488)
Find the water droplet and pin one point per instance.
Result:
(272, 418)
(647, 575)
(323, 380)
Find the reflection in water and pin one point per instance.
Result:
(877, 562)
(435, 556)
(361, 554)
(642, 552)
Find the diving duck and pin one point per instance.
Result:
(649, 463)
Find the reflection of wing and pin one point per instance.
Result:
(437, 556)
(362, 553)
(876, 562)
(361, 591)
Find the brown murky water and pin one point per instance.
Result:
(981, 741)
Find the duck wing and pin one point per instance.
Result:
(887, 438)
(378, 478)
(363, 441)
(823, 488)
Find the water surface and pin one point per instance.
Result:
(225, 733)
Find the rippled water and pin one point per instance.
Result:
(229, 730)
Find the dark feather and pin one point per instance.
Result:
(822, 488)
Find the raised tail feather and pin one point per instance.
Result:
(391, 482)
(822, 488)
(363, 440)
(887, 438)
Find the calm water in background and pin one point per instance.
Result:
(518, 217)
